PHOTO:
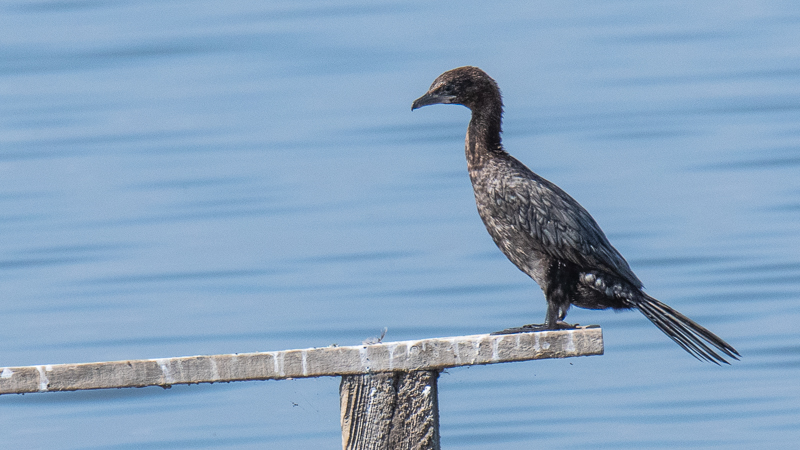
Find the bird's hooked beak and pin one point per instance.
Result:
(432, 98)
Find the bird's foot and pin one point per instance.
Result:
(530, 328)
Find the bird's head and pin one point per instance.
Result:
(468, 86)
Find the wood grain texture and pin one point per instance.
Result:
(404, 356)
(390, 411)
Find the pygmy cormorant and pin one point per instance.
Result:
(545, 232)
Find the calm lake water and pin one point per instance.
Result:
(185, 177)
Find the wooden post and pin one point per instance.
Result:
(390, 411)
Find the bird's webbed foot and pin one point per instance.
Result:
(530, 328)
(561, 325)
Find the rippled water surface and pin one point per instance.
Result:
(182, 178)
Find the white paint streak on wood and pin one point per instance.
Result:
(391, 347)
(570, 344)
(278, 360)
(214, 370)
(454, 345)
(43, 381)
(163, 364)
(362, 354)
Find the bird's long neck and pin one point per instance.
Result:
(483, 135)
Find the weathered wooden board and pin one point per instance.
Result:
(403, 356)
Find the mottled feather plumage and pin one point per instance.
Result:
(545, 232)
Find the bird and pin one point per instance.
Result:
(546, 233)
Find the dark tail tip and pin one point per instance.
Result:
(691, 336)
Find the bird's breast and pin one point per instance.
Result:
(506, 214)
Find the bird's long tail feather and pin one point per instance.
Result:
(687, 333)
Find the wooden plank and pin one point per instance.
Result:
(403, 356)
(391, 411)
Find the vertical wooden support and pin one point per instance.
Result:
(390, 411)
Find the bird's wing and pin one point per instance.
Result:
(556, 224)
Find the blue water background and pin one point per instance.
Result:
(199, 177)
